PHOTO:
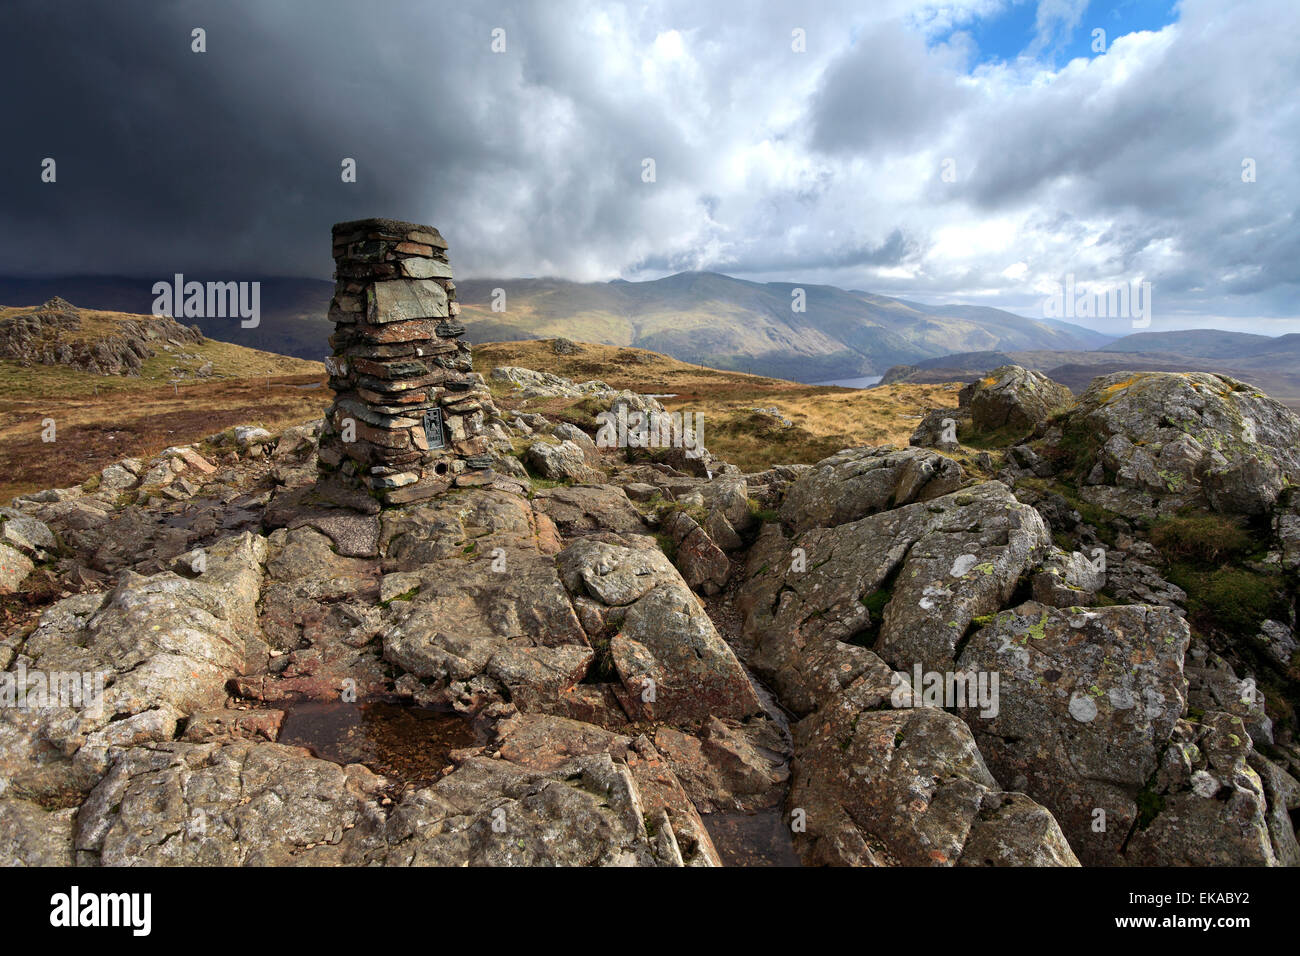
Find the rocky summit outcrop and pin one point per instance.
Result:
(593, 658)
(219, 601)
(880, 786)
(1010, 402)
(533, 384)
(1154, 442)
(53, 334)
(1013, 398)
(861, 481)
(1071, 730)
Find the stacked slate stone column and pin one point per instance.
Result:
(409, 414)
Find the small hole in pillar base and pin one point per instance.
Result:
(440, 468)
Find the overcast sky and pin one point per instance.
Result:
(771, 163)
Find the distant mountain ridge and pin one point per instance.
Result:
(1271, 363)
(1205, 343)
(701, 317)
(738, 325)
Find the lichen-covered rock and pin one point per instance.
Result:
(1014, 398)
(240, 804)
(563, 462)
(728, 765)
(33, 836)
(967, 566)
(264, 804)
(547, 743)
(1087, 700)
(667, 637)
(613, 574)
(927, 568)
(24, 533)
(727, 496)
(862, 481)
(1282, 792)
(565, 431)
(722, 533)
(1206, 806)
(1168, 439)
(465, 614)
(476, 607)
(608, 705)
(1279, 642)
(318, 617)
(139, 656)
(1286, 526)
(458, 525)
(938, 429)
(586, 811)
(671, 660)
(1067, 580)
(703, 564)
(1212, 685)
(110, 531)
(907, 787)
(299, 442)
(1013, 830)
(1131, 580)
(588, 508)
(115, 477)
(535, 384)
(250, 437)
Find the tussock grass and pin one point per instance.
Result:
(1201, 538)
(1233, 600)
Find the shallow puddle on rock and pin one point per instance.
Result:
(752, 839)
(405, 744)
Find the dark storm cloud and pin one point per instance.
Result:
(230, 159)
(174, 159)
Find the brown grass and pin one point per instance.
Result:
(825, 419)
(137, 423)
(100, 419)
(228, 361)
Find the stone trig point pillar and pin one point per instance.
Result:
(409, 413)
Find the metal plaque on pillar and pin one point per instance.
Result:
(433, 429)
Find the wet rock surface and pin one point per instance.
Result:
(336, 687)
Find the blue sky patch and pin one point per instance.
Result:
(1013, 31)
